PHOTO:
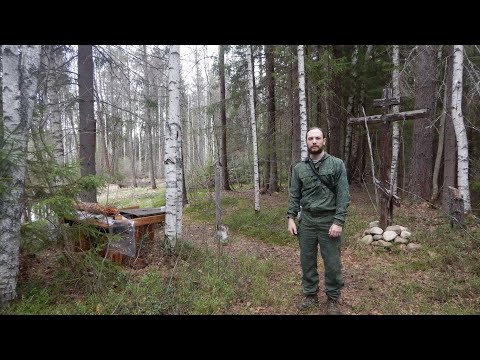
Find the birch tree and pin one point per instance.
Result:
(172, 129)
(395, 125)
(459, 126)
(20, 79)
(254, 128)
(302, 101)
(351, 97)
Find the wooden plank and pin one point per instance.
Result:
(386, 102)
(375, 119)
(156, 219)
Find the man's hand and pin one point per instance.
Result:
(292, 227)
(335, 231)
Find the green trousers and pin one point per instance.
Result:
(312, 234)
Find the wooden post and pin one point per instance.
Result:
(457, 215)
(387, 198)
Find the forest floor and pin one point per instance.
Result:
(358, 284)
(368, 271)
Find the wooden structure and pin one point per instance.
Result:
(144, 222)
(385, 187)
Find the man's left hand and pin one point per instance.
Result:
(335, 231)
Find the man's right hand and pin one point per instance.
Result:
(292, 227)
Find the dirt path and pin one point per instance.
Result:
(288, 260)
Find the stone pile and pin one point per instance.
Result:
(393, 234)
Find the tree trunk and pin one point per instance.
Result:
(20, 78)
(302, 102)
(395, 125)
(441, 141)
(223, 120)
(450, 146)
(87, 121)
(459, 126)
(254, 128)
(294, 109)
(148, 119)
(350, 107)
(271, 127)
(172, 129)
(421, 167)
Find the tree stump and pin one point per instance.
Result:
(456, 209)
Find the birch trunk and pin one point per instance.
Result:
(20, 78)
(396, 125)
(302, 102)
(254, 128)
(348, 137)
(459, 126)
(172, 128)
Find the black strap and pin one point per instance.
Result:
(320, 178)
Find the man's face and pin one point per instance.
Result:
(315, 141)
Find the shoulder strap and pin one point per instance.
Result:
(320, 178)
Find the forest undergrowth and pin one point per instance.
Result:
(258, 270)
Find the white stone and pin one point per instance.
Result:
(382, 243)
(400, 240)
(375, 230)
(405, 234)
(389, 235)
(395, 228)
(377, 237)
(367, 239)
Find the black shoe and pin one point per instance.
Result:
(309, 301)
(332, 307)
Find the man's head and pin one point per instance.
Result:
(315, 140)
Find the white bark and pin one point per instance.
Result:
(348, 137)
(459, 126)
(179, 169)
(254, 129)
(172, 128)
(396, 125)
(20, 74)
(302, 101)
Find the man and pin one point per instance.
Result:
(319, 185)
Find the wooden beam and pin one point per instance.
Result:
(376, 119)
(386, 102)
(156, 219)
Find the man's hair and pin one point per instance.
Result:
(314, 128)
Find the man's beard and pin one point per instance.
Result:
(316, 151)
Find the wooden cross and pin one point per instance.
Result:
(387, 198)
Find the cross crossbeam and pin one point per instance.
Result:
(387, 198)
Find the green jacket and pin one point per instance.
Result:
(307, 191)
